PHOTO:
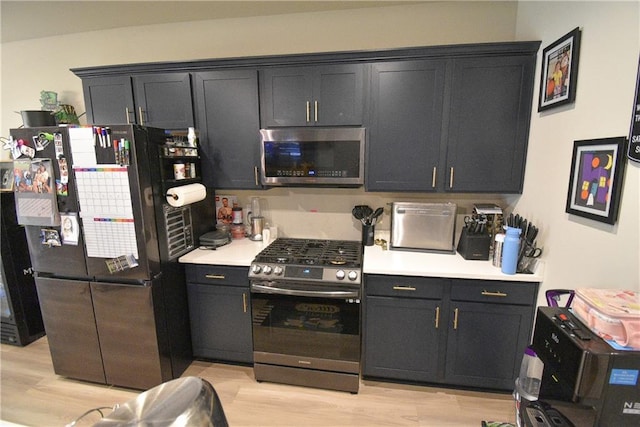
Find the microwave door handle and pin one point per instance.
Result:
(301, 293)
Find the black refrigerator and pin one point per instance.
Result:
(19, 306)
(104, 243)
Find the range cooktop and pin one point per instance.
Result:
(313, 252)
(309, 259)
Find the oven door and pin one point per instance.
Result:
(306, 322)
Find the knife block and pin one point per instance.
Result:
(474, 246)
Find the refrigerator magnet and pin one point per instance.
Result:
(41, 140)
(50, 237)
(57, 143)
(64, 170)
(62, 189)
(69, 228)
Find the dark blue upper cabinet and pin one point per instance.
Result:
(405, 121)
(164, 100)
(161, 100)
(227, 105)
(109, 100)
(451, 124)
(330, 95)
(488, 125)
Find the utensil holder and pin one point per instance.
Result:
(367, 234)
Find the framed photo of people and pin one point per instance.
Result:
(559, 71)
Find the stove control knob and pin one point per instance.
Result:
(353, 275)
(256, 269)
(267, 269)
(340, 274)
(277, 270)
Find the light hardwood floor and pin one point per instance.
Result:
(32, 395)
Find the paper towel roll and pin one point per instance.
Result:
(186, 194)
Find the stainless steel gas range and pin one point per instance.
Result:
(305, 300)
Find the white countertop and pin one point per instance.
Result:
(241, 253)
(425, 264)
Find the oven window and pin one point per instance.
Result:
(311, 327)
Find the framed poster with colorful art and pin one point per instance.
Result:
(559, 74)
(595, 184)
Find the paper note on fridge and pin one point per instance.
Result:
(82, 144)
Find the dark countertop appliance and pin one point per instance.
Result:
(305, 301)
(585, 378)
(104, 245)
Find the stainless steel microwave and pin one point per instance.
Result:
(312, 156)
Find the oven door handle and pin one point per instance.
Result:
(302, 293)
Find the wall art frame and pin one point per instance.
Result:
(559, 74)
(595, 183)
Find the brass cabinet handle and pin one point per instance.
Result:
(403, 288)
(433, 177)
(437, 316)
(215, 276)
(141, 116)
(451, 177)
(308, 112)
(493, 294)
(128, 113)
(244, 302)
(315, 110)
(455, 319)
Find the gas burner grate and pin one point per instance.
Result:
(346, 253)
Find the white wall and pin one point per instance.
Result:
(577, 252)
(581, 252)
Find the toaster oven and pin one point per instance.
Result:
(423, 226)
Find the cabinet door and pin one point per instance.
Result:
(286, 96)
(338, 95)
(485, 343)
(488, 127)
(331, 95)
(221, 322)
(405, 126)
(67, 311)
(401, 338)
(128, 339)
(164, 100)
(109, 100)
(227, 104)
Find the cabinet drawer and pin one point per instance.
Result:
(494, 291)
(404, 286)
(218, 275)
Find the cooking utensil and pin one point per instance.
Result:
(357, 212)
(373, 218)
(367, 211)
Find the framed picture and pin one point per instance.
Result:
(595, 184)
(559, 71)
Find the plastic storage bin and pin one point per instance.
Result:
(614, 314)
